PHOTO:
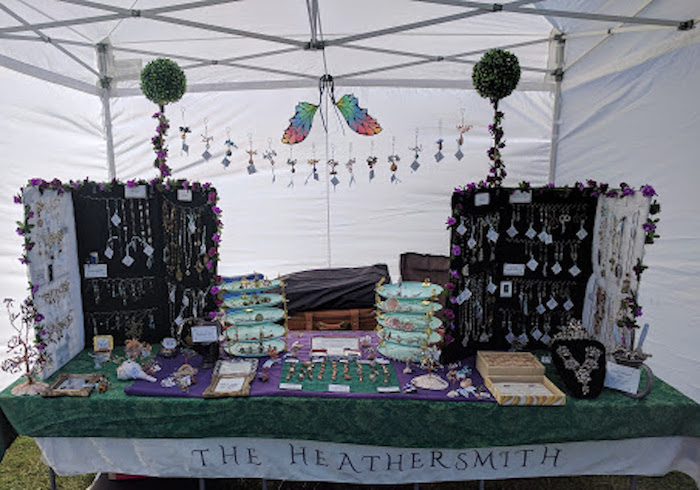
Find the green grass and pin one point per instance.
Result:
(22, 469)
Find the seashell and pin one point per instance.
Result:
(132, 370)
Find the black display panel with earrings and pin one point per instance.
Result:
(145, 257)
(519, 264)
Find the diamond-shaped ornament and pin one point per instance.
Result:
(552, 303)
(116, 219)
(574, 271)
(581, 234)
(484, 337)
(512, 231)
(532, 264)
(464, 296)
(192, 227)
(471, 243)
(491, 288)
(148, 250)
(179, 320)
(128, 260)
(536, 334)
(510, 338)
(540, 309)
(185, 147)
(556, 268)
(439, 156)
(109, 253)
(252, 170)
(461, 229)
(549, 240)
(546, 339)
(335, 181)
(371, 174)
(531, 233)
(185, 301)
(522, 338)
(415, 165)
(225, 162)
(459, 155)
(568, 304)
(543, 236)
(492, 235)
(206, 155)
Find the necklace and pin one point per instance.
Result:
(581, 371)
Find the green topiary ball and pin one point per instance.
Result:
(496, 75)
(163, 81)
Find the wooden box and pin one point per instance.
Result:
(350, 319)
(517, 378)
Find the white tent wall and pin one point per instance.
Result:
(276, 228)
(639, 126)
(46, 131)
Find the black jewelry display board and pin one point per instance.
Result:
(519, 265)
(145, 258)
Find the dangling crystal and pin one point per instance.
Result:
(116, 219)
(109, 253)
(439, 156)
(459, 155)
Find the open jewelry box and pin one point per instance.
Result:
(517, 378)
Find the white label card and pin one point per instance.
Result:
(230, 384)
(94, 271)
(514, 269)
(184, 195)
(136, 192)
(482, 199)
(290, 386)
(203, 334)
(520, 197)
(388, 389)
(339, 388)
(622, 378)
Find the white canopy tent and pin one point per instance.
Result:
(607, 93)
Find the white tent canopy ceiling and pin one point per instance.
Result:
(606, 92)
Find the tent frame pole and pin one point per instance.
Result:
(105, 94)
(556, 116)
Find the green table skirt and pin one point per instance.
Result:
(391, 422)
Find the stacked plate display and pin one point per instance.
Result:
(406, 324)
(256, 315)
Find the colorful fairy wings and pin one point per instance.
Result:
(356, 117)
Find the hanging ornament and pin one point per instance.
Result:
(371, 161)
(270, 155)
(333, 165)
(184, 130)
(230, 145)
(350, 164)
(251, 164)
(292, 163)
(312, 161)
(206, 139)
(439, 156)
(393, 160)
(462, 128)
(416, 149)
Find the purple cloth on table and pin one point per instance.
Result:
(271, 387)
(168, 367)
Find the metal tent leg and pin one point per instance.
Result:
(481, 484)
(52, 478)
(202, 484)
(264, 484)
(633, 482)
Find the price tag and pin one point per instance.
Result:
(520, 197)
(204, 334)
(184, 195)
(94, 271)
(622, 378)
(388, 389)
(383, 361)
(290, 386)
(514, 270)
(136, 192)
(338, 388)
(482, 199)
